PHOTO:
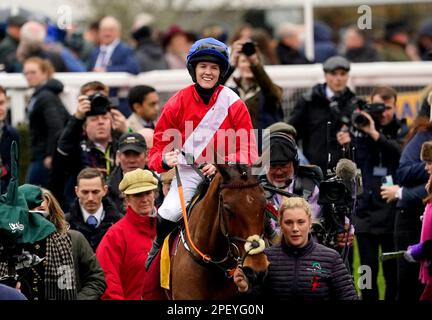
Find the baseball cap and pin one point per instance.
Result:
(138, 181)
(132, 141)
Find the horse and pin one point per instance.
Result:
(225, 223)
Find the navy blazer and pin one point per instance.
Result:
(122, 59)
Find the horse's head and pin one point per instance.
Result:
(242, 203)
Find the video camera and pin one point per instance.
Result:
(336, 199)
(374, 109)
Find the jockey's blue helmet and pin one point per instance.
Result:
(210, 50)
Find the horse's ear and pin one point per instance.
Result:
(223, 169)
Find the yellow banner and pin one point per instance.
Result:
(407, 106)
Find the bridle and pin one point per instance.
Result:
(254, 242)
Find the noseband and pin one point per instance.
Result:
(253, 244)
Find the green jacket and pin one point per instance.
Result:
(90, 278)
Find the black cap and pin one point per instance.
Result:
(17, 21)
(132, 142)
(394, 27)
(282, 149)
(336, 62)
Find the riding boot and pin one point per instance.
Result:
(163, 228)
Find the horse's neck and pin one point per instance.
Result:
(204, 222)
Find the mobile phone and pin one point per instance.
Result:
(387, 180)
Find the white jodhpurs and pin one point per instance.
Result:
(171, 208)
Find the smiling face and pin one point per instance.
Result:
(295, 225)
(279, 175)
(207, 74)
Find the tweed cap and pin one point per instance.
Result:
(138, 181)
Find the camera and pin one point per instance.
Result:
(336, 201)
(99, 104)
(374, 109)
(248, 48)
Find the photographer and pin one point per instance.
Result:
(89, 140)
(378, 138)
(331, 102)
(261, 95)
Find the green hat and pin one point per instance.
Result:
(32, 194)
(17, 225)
(138, 181)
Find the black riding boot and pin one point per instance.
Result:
(163, 228)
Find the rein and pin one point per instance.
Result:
(251, 243)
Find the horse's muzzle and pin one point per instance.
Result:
(255, 267)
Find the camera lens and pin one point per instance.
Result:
(99, 104)
(359, 119)
(248, 48)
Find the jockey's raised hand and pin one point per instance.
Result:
(171, 158)
(208, 170)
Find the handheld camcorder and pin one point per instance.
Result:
(336, 198)
(374, 109)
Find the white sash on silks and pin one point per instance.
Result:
(207, 128)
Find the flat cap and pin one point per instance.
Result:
(336, 62)
(138, 181)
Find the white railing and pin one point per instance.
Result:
(167, 82)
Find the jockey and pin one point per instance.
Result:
(196, 121)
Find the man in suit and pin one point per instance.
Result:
(112, 55)
(144, 101)
(92, 213)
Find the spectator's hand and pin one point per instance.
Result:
(240, 280)
(412, 52)
(47, 162)
(388, 193)
(83, 107)
(119, 122)
(99, 69)
(369, 129)
(343, 137)
(345, 238)
(428, 186)
(236, 49)
(171, 158)
(208, 170)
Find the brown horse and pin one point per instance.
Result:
(220, 224)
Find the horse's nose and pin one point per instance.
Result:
(253, 276)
